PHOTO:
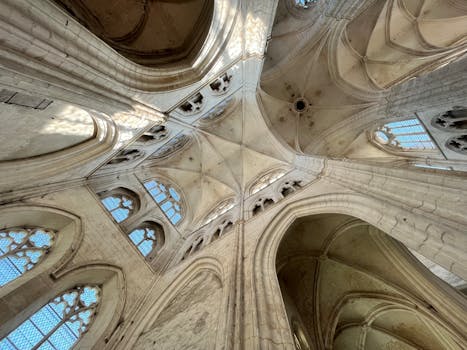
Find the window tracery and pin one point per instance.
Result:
(224, 227)
(21, 249)
(59, 324)
(148, 238)
(455, 119)
(305, 4)
(168, 199)
(126, 156)
(156, 133)
(192, 105)
(172, 146)
(404, 135)
(290, 187)
(194, 247)
(458, 144)
(266, 180)
(120, 204)
(261, 205)
(221, 84)
(220, 209)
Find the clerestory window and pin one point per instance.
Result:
(58, 325)
(405, 135)
(120, 205)
(167, 198)
(21, 249)
(148, 238)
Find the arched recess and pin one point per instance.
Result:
(55, 161)
(269, 310)
(200, 307)
(69, 234)
(113, 294)
(89, 57)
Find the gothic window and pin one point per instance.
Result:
(290, 187)
(221, 84)
(156, 133)
(171, 147)
(192, 105)
(21, 249)
(60, 324)
(194, 247)
(455, 119)
(167, 198)
(262, 204)
(266, 180)
(222, 208)
(305, 3)
(148, 238)
(458, 144)
(19, 99)
(119, 203)
(404, 135)
(127, 156)
(225, 226)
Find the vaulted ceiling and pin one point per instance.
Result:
(326, 81)
(151, 33)
(358, 298)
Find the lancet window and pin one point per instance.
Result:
(405, 135)
(148, 238)
(120, 204)
(168, 199)
(58, 325)
(21, 249)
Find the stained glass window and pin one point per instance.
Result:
(406, 135)
(119, 205)
(21, 249)
(59, 324)
(167, 198)
(147, 237)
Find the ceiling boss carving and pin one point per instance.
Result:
(148, 32)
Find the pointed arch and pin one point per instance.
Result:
(68, 234)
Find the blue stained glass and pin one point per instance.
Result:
(145, 247)
(137, 236)
(46, 346)
(111, 203)
(408, 134)
(176, 218)
(6, 345)
(168, 202)
(8, 271)
(166, 206)
(174, 194)
(34, 331)
(88, 296)
(41, 239)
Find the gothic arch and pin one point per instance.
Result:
(53, 163)
(163, 298)
(98, 62)
(69, 234)
(267, 299)
(113, 287)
